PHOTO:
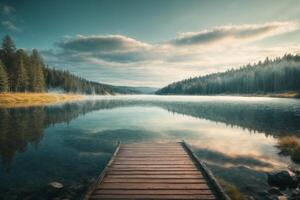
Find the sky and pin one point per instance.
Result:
(152, 43)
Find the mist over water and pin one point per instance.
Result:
(71, 143)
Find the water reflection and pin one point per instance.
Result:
(75, 140)
(21, 126)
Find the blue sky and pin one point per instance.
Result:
(152, 43)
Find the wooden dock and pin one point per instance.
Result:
(155, 171)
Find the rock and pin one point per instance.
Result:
(282, 179)
(282, 197)
(263, 193)
(296, 171)
(295, 193)
(76, 186)
(56, 185)
(273, 197)
(275, 190)
(248, 197)
(54, 188)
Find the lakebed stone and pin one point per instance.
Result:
(275, 191)
(282, 179)
(56, 185)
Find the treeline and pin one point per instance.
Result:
(270, 76)
(64, 80)
(21, 71)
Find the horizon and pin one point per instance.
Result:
(152, 43)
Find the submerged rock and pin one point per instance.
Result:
(282, 179)
(76, 186)
(275, 190)
(295, 194)
(282, 197)
(248, 197)
(56, 185)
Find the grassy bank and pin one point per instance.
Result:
(276, 95)
(231, 190)
(9, 100)
(286, 95)
(290, 146)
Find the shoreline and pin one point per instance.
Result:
(16, 100)
(290, 95)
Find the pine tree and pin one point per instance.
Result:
(21, 75)
(7, 57)
(3, 79)
(37, 80)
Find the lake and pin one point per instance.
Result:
(71, 143)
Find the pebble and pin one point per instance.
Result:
(56, 185)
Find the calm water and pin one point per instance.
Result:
(71, 143)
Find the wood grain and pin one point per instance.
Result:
(153, 171)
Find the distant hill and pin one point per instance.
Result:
(131, 90)
(145, 90)
(270, 76)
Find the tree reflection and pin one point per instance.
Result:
(20, 127)
(275, 120)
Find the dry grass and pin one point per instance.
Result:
(290, 145)
(231, 190)
(286, 95)
(9, 100)
(289, 142)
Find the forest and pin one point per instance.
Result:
(21, 71)
(277, 75)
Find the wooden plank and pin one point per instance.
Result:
(152, 159)
(152, 163)
(149, 154)
(151, 144)
(152, 166)
(180, 160)
(154, 180)
(153, 156)
(152, 169)
(153, 196)
(156, 153)
(156, 176)
(152, 172)
(151, 186)
(156, 191)
(152, 148)
(159, 151)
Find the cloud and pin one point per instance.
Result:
(102, 43)
(9, 19)
(10, 26)
(247, 32)
(122, 49)
(109, 48)
(6, 9)
(119, 59)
